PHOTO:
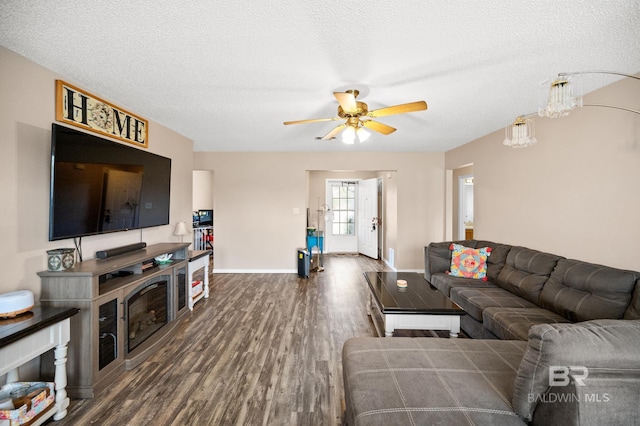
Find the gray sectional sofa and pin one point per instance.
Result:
(527, 287)
(556, 342)
(428, 381)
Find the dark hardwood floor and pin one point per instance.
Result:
(263, 349)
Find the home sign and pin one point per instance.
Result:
(79, 108)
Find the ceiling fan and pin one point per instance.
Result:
(356, 116)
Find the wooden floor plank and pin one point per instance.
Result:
(263, 349)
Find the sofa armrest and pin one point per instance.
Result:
(597, 350)
(605, 397)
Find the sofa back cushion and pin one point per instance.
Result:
(438, 257)
(601, 346)
(633, 311)
(526, 271)
(581, 291)
(496, 261)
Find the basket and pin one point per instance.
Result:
(31, 410)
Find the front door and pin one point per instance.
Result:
(368, 217)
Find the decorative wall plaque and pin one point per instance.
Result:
(82, 109)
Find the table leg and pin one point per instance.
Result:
(455, 326)
(60, 380)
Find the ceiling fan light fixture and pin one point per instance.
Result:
(349, 135)
(362, 134)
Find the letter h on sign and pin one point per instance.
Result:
(72, 110)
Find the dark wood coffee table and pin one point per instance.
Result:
(419, 306)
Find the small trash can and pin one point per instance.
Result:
(303, 263)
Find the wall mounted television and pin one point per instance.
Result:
(100, 186)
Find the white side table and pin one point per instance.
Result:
(198, 273)
(32, 334)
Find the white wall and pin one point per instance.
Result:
(27, 109)
(575, 193)
(256, 193)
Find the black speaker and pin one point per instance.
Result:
(103, 254)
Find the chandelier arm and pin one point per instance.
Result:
(564, 74)
(612, 106)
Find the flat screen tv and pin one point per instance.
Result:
(100, 186)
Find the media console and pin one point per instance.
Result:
(129, 306)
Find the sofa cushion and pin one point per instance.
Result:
(581, 291)
(600, 346)
(403, 380)
(498, 258)
(633, 311)
(445, 282)
(526, 271)
(514, 323)
(469, 262)
(475, 300)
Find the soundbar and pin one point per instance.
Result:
(103, 254)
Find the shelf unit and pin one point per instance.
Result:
(99, 288)
(198, 276)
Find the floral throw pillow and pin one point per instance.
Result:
(469, 262)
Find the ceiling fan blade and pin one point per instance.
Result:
(332, 134)
(378, 127)
(313, 120)
(399, 109)
(347, 101)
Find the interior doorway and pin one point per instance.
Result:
(460, 195)
(382, 225)
(465, 211)
(203, 210)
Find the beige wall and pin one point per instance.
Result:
(575, 193)
(27, 109)
(256, 194)
(202, 189)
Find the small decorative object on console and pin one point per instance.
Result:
(15, 303)
(164, 258)
(61, 259)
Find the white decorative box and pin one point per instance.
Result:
(61, 259)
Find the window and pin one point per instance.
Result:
(343, 205)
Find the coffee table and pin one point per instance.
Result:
(419, 306)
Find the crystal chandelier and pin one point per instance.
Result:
(564, 94)
(520, 133)
(561, 97)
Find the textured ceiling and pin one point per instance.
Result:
(227, 74)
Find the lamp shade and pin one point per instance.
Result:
(349, 135)
(363, 134)
(180, 229)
